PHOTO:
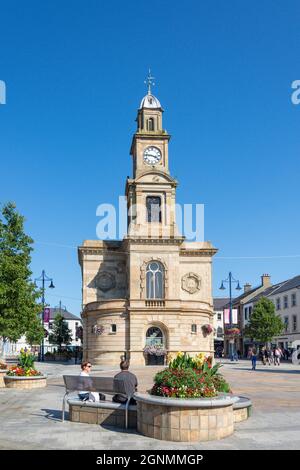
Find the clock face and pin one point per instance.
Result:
(152, 155)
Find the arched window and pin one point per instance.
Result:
(155, 280)
(154, 336)
(153, 204)
(150, 124)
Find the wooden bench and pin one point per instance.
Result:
(106, 385)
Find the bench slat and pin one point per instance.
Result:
(93, 384)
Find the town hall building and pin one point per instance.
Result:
(153, 288)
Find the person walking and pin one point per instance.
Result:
(253, 358)
(277, 355)
(262, 355)
(268, 356)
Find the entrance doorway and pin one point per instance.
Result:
(155, 346)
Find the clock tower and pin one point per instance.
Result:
(152, 290)
(151, 191)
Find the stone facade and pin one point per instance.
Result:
(184, 424)
(2, 374)
(103, 416)
(118, 307)
(240, 414)
(25, 382)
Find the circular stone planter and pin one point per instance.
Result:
(38, 381)
(2, 374)
(179, 419)
(242, 409)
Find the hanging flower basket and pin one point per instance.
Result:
(207, 329)
(155, 350)
(232, 332)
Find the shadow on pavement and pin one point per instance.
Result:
(55, 415)
(273, 371)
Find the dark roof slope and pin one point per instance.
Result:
(220, 302)
(289, 284)
(278, 288)
(67, 315)
(269, 291)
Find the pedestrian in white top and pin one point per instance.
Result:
(277, 356)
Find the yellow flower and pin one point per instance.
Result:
(179, 354)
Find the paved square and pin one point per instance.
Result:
(31, 419)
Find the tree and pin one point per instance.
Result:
(19, 305)
(60, 334)
(35, 333)
(264, 324)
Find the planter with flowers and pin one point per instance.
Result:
(3, 370)
(155, 354)
(189, 401)
(232, 332)
(24, 375)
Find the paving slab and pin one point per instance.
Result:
(31, 419)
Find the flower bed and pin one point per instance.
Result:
(188, 377)
(182, 383)
(24, 375)
(17, 371)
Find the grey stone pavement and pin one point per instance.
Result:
(31, 419)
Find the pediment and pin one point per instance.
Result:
(155, 176)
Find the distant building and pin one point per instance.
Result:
(244, 305)
(286, 297)
(73, 322)
(218, 322)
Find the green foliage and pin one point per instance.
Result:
(26, 359)
(19, 305)
(35, 332)
(185, 361)
(182, 361)
(60, 334)
(264, 324)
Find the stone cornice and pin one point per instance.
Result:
(155, 241)
(198, 252)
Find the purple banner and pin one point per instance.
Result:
(46, 315)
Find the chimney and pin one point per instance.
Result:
(266, 280)
(247, 287)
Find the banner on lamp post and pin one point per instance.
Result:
(46, 315)
(227, 316)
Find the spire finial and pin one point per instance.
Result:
(149, 81)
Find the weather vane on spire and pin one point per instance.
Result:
(149, 81)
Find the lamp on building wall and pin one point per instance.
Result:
(230, 280)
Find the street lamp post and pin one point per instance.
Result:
(230, 280)
(43, 279)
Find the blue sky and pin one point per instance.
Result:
(75, 73)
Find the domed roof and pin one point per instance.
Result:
(150, 101)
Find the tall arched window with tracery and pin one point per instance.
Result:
(155, 281)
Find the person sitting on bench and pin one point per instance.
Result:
(90, 396)
(130, 383)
